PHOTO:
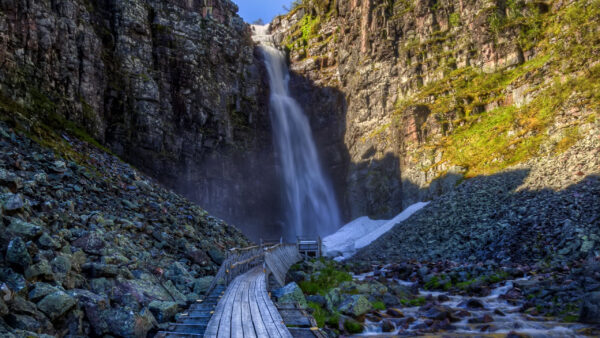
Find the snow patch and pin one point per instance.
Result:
(361, 232)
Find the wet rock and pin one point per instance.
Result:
(590, 309)
(396, 313)
(40, 271)
(443, 298)
(481, 320)
(56, 304)
(472, 304)
(438, 313)
(355, 305)
(163, 311)
(290, 294)
(24, 229)
(387, 326)
(201, 285)
(17, 254)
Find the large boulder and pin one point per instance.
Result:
(14, 203)
(201, 285)
(24, 229)
(121, 322)
(40, 271)
(355, 305)
(56, 304)
(163, 311)
(590, 309)
(290, 294)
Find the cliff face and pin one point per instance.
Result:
(435, 91)
(171, 86)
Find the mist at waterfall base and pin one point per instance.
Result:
(311, 209)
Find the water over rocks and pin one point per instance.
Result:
(90, 246)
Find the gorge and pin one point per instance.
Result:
(121, 122)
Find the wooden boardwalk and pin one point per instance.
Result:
(246, 310)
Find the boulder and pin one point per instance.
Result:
(91, 243)
(40, 271)
(24, 229)
(41, 290)
(96, 270)
(290, 294)
(355, 305)
(216, 255)
(17, 253)
(201, 285)
(590, 309)
(121, 322)
(10, 180)
(14, 203)
(47, 242)
(163, 311)
(56, 304)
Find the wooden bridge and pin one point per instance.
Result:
(237, 303)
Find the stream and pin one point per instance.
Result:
(496, 317)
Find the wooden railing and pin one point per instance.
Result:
(241, 260)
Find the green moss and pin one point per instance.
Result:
(353, 327)
(378, 305)
(419, 301)
(454, 19)
(327, 279)
(319, 314)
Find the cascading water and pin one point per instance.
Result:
(311, 208)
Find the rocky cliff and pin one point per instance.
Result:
(171, 86)
(426, 93)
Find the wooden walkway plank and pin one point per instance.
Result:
(275, 316)
(259, 325)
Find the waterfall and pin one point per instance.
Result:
(311, 207)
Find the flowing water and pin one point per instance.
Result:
(311, 207)
(505, 316)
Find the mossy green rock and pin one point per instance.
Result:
(355, 305)
(291, 294)
(17, 253)
(163, 311)
(56, 304)
(22, 228)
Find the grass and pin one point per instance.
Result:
(419, 301)
(328, 278)
(378, 305)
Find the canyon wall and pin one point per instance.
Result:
(172, 86)
(433, 92)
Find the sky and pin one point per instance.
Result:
(252, 10)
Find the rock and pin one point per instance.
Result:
(22, 306)
(10, 180)
(163, 311)
(3, 308)
(290, 294)
(56, 304)
(590, 309)
(216, 255)
(61, 265)
(443, 298)
(96, 270)
(88, 298)
(355, 305)
(174, 293)
(438, 313)
(24, 229)
(23, 322)
(396, 313)
(318, 299)
(481, 320)
(41, 270)
(13, 204)
(121, 322)
(387, 326)
(17, 254)
(41, 290)
(472, 304)
(201, 285)
(91, 244)
(47, 242)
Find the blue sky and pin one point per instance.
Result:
(252, 10)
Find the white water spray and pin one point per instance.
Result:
(311, 207)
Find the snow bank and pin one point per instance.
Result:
(361, 232)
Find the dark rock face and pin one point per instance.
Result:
(171, 86)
